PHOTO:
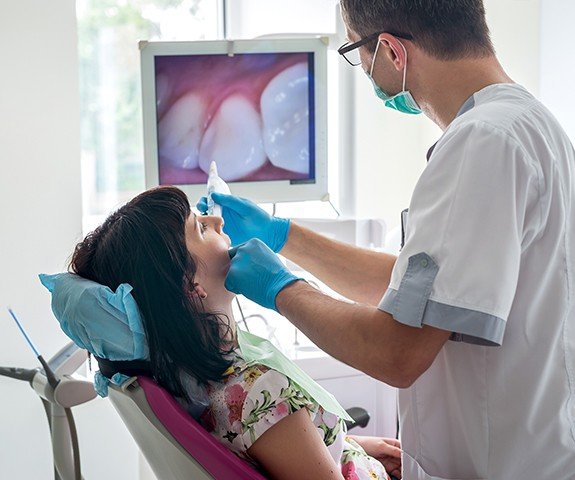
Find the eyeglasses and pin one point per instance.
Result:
(350, 51)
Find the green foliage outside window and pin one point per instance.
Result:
(111, 119)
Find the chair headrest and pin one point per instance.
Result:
(131, 368)
(108, 324)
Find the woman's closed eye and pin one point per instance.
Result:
(203, 227)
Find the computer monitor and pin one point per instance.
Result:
(256, 107)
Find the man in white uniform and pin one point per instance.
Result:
(477, 321)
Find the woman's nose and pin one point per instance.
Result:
(218, 223)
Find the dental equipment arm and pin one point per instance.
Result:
(59, 390)
(361, 335)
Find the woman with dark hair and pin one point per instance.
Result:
(176, 263)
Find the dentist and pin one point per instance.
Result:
(474, 321)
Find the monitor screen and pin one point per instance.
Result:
(253, 111)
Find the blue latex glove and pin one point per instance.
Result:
(257, 273)
(244, 220)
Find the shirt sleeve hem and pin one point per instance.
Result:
(468, 326)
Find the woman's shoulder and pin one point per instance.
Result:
(258, 388)
(249, 401)
(269, 397)
(273, 388)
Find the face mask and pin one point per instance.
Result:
(403, 101)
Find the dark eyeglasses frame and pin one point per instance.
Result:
(348, 47)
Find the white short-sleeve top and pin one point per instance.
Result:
(490, 255)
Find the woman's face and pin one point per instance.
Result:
(208, 245)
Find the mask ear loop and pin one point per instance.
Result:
(405, 69)
(374, 57)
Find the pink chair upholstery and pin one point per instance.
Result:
(218, 461)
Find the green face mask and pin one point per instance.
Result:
(403, 101)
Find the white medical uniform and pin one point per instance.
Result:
(490, 256)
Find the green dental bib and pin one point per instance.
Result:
(259, 350)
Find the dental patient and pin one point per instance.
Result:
(176, 263)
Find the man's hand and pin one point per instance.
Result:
(257, 273)
(386, 450)
(244, 220)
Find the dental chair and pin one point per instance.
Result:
(175, 446)
(108, 325)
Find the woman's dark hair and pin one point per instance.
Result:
(143, 243)
(446, 29)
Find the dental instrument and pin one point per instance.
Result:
(53, 382)
(215, 185)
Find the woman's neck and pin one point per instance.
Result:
(226, 313)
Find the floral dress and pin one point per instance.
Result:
(253, 398)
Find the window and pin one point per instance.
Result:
(111, 120)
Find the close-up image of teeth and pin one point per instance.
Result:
(285, 113)
(250, 113)
(180, 131)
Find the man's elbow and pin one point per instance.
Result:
(402, 380)
(402, 373)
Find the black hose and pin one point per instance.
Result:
(48, 412)
(75, 446)
(52, 380)
(26, 374)
(242, 314)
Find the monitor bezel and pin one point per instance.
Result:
(261, 191)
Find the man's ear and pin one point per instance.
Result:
(394, 50)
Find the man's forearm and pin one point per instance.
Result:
(361, 335)
(344, 268)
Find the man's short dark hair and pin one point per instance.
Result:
(446, 29)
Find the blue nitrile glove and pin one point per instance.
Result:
(257, 273)
(244, 220)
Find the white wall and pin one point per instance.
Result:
(40, 221)
(557, 65)
(39, 205)
(251, 18)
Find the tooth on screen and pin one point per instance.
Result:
(234, 140)
(285, 112)
(162, 94)
(180, 131)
